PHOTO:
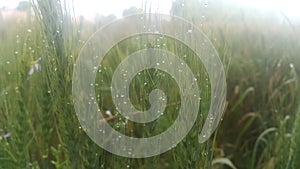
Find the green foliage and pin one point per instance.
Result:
(131, 11)
(260, 128)
(294, 160)
(23, 6)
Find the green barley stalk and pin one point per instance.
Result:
(294, 158)
(57, 113)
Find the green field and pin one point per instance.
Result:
(39, 128)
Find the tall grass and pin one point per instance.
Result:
(293, 160)
(38, 123)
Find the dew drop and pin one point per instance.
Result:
(107, 112)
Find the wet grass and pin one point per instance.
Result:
(39, 127)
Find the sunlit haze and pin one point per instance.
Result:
(290, 8)
(89, 8)
(105, 7)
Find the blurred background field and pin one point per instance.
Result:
(260, 50)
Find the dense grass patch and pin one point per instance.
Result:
(39, 127)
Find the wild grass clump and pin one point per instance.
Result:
(38, 124)
(294, 158)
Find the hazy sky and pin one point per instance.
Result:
(290, 7)
(106, 7)
(9, 3)
(89, 8)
